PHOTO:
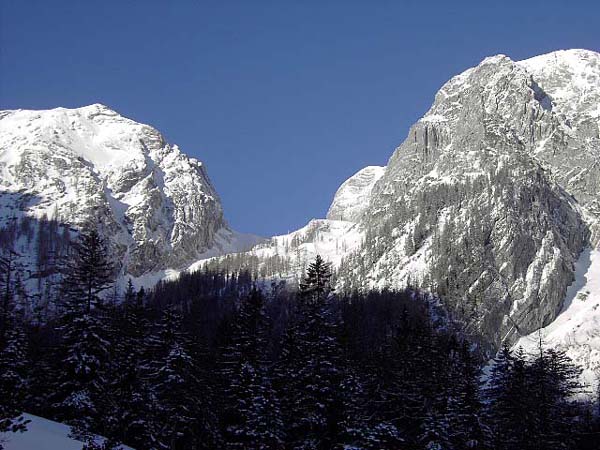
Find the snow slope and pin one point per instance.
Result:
(331, 239)
(571, 78)
(43, 434)
(576, 330)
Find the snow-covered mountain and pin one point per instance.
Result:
(469, 205)
(91, 164)
(493, 195)
(489, 202)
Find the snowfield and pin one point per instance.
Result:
(576, 330)
(44, 434)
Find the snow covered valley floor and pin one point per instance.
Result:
(43, 434)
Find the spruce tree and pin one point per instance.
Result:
(181, 418)
(251, 416)
(467, 429)
(13, 351)
(310, 370)
(498, 393)
(84, 351)
(554, 383)
(128, 388)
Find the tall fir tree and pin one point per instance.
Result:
(13, 350)
(84, 351)
(467, 429)
(182, 418)
(554, 383)
(129, 389)
(310, 370)
(251, 415)
(499, 396)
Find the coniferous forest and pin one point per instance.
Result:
(218, 360)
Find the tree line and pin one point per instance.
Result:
(214, 360)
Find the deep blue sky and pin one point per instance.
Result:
(283, 100)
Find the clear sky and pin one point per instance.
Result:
(283, 100)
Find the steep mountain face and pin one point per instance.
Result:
(489, 202)
(491, 198)
(90, 164)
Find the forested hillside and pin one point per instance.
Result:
(217, 360)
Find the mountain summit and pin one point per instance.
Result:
(493, 195)
(156, 204)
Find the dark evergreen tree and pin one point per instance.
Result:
(310, 370)
(85, 349)
(498, 395)
(130, 392)
(467, 429)
(182, 418)
(13, 351)
(251, 416)
(554, 381)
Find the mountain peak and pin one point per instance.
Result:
(352, 198)
(158, 205)
(96, 107)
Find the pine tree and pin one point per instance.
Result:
(554, 383)
(309, 371)
(88, 272)
(530, 402)
(85, 350)
(128, 388)
(181, 415)
(251, 417)
(465, 406)
(499, 413)
(13, 352)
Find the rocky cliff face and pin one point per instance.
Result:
(492, 196)
(90, 164)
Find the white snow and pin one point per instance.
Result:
(352, 197)
(571, 78)
(433, 118)
(576, 330)
(331, 239)
(110, 145)
(43, 434)
(64, 163)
